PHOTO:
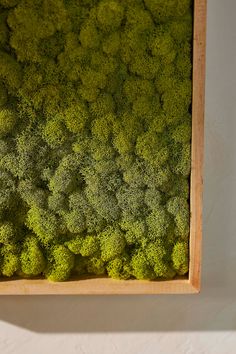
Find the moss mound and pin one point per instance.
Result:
(95, 137)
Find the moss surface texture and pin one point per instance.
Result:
(95, 128)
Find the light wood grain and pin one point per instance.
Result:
(95, 286)
(198, 107)
(191, 285)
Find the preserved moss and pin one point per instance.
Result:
(95, 138)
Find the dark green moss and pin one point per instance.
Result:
(95, 137)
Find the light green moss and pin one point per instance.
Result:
(76, 117)
(112, 243)
(158, 223)
(119, 268)
(44, 224)
(60, 263)
(141, 268)
(90, 246)
(10, 263)
(32, 259)
(54, 132)
(180, 257)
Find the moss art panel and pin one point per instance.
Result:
(95, 128)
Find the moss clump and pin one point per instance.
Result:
(112, 243)
(32, 259)
(95, 128)
(7, 121)
(109, 14)
(7, 233)
(180, 257)
(60, 263)
(10, 262)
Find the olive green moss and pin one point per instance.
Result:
(95, 138)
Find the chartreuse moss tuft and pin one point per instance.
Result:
(32, 259)
(60, 263)
(10, 262)
(95, 138)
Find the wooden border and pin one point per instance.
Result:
(191, 285)
(198, 109)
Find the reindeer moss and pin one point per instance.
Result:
(95, 134)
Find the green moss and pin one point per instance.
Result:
(119, 268)
(60, 263)
(10, 72)
(96, 266)
(135, 229)
(163, 10)
(7, 233)
(111, 44)
(32, 259)
(112, 243)
(145, 66)
(182, 133)
(141, 269)
(104, 105)
(10, 263)
(89, 36)
(7, 121)
(95, 128)
(3, 95)
(153, 198)
(31, 22)
(75, 244)
(36, 197)
(75, 221)
(54, 132)
(9, 3)
(181, 162)
(180, 257)
(130, 199)
(158, 223)
(43, 224)
(179, 207)
(135, 88)
(102, 127)
(65, 179)
(162, 45)
(93, 79)
(7, 191)
(176, 101)
(80, 265)
(147, 148)
(75, 118)
(109, 14)
(90, 246)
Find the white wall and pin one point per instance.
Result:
(199, 324)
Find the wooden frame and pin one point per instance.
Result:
(190, 285)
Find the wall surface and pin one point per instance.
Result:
(198, 324)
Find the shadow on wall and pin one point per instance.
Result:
(215, 308)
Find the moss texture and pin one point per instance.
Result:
(95, 137)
